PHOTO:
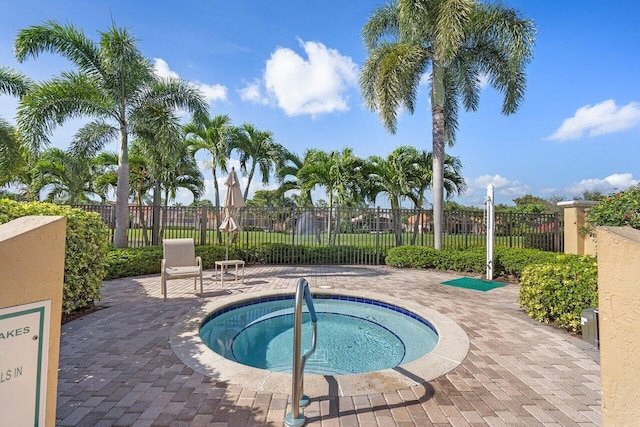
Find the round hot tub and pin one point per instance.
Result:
(249, 342)
(355, 335)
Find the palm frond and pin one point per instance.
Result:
(382, 25)
(92, 137)
(66, 40)
(13, 83)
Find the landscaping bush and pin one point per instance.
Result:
(284, 253)
(129, 262)
(85, 249)
(619, 209)
(471, 260)
(507, 261)
(557, 292)
(511, 261)
(412, 257)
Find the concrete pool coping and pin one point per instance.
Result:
(449, 352)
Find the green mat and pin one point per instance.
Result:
(475, 284)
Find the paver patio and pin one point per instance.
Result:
(118, 369)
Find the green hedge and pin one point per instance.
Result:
(507, 261)
(85, 249)
(512, 261)
(558, 292)
(141, 261)
(283, 253)
(147, 260)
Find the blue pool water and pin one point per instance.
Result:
(355, 335)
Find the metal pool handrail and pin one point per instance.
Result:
(295, 418)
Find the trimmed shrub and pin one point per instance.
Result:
(284, 253)
(557, 292)
(129, 262)
(126, 262)
(413, 257)
(471, 260)
(511, 261)
(85, 249)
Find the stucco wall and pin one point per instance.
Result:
(32, 264)
(619, 307)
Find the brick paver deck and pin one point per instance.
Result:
(117, 368)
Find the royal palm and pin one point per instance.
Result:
(114, 84)
(456, 42)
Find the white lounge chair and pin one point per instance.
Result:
(180, 261)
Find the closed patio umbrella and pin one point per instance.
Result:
(232, 202)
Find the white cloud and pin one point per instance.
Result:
(315, 85)
(212, 93)
(484, 180)
(503, 186)
(612, 183)
(252, 92)
(162, 69)
(600, 119)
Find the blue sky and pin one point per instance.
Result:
(292, 67)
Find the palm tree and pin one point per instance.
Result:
(13, 153)
(453, 181)
(213, 135)
(257, 149)
(339, 172)
(287, 176)
(114, 83)
(458, 41)
(63, 177)
(395, 176)
(148, 172)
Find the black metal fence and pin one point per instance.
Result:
(373, 230)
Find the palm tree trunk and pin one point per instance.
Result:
(249, 179)
(437, 110)
(216, 188)
(155, 230)
(329, 217)
(417, 224)
(121, 239)
(143, 220)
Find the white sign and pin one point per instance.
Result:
(24, 356)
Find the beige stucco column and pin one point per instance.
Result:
(619, 309)
(575, 240)
(32, 252)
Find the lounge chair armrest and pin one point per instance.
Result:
(163, 266)
(199, 261)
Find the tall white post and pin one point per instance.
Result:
(490, 229)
